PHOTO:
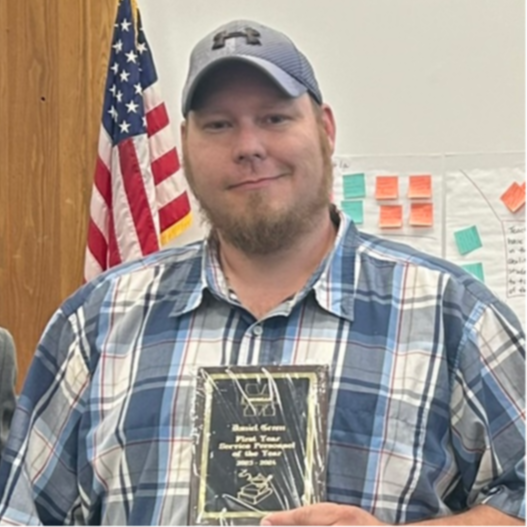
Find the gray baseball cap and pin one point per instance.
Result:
(267, 49)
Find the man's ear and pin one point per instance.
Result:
(183, 131)
(329, 125)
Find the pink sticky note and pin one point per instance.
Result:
(422, 214)
(420, 187)
(390, 216)
(387, 187)
(514, 197)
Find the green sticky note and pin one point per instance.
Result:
(354, 210)
(354, 186)
(467, 240)
(475, 269)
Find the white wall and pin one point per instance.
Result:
(403, 76)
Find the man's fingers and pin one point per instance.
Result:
(318, 514)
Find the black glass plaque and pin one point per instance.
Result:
(259, 442)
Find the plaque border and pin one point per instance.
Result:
(318, 380)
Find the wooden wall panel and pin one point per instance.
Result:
(53, 58)
(74, 160)
(4, 134)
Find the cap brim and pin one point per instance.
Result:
(283, 80)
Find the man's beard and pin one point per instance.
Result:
(259, 229)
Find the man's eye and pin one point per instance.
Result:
(216, 125)
(277, 119)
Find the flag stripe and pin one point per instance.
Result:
(99, 212)
(156, 119)
(152, 97)
(103, 181)
(137, 198)
(161, 143)
(97, 244)
(165, 166)
(114, 256)
(173, 211)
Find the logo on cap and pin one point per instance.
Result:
(252, 37)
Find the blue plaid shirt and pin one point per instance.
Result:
(426, 406)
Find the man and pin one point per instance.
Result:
(7, 384)
(425, 420)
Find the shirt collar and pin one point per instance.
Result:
(333, 283)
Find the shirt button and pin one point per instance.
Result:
(257, 330)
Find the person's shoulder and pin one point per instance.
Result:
(433, 269)
(7, 345)
(173, 267)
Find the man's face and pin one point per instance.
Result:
(258, 161)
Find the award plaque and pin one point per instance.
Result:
(259, 442)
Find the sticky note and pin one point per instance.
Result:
(422, 214)
(467, 240)
(514, 197)
(475, 269)
(420, 187)
(354, 186)
(390, 216)
(355, 210)
(387, 187)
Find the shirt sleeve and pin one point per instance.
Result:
(488, 411)
(7, 384)
(38, 474)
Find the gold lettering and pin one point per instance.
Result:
(267, 462)
(244, 428)
(272, 428)
(244, 462)
(229, 446)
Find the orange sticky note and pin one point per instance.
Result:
(514, 197)
(420, 187)
(391, 216)
(422, 214)
(387, 187)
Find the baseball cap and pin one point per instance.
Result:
(267, 49)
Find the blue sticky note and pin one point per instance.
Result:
(354, 186)
(468, 240)
(355, 210)
(475, 269)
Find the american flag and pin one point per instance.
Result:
(139, 201)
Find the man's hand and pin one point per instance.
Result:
(322, 514)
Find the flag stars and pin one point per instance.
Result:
(131, 57)
(113, 112)
(119, 96)
(124, 76)
(115, 67)
(124, 127)
(141, 47)
(132, 107)
(113, 90)
(125, 25)
(138, 89)
(118, 46)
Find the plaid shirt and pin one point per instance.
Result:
(426, 410)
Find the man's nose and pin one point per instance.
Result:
(249, 144)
